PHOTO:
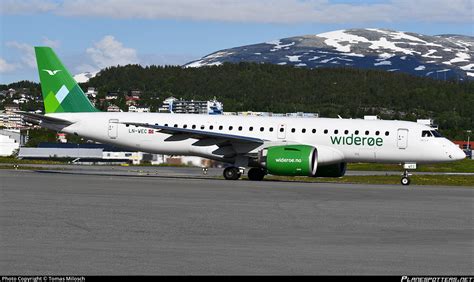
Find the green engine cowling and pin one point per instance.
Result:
(289, 160)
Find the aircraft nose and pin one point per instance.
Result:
(457, 154)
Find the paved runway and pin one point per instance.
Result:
(53, 223)
(185, 171)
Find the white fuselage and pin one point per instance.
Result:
(337, 140)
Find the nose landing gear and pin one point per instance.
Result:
(405, 176)
(405, 180)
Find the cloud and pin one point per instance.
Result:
(105, 53)
(110, 52)
(260, 11)
(51, 43)
(15, 7)
(6, 67)
(27, 53)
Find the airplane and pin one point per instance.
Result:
(314, 147)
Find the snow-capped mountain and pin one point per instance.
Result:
(84, 76)
(441, 56)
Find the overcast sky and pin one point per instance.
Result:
(92, 34)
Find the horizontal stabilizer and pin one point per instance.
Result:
(39, 119)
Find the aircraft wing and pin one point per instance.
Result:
(185, 133)
(39, 119)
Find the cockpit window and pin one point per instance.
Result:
(426, 133)
(436, 133)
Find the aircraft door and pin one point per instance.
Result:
(281, 133)
(113, 128)
(402, 138)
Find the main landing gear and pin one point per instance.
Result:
(232, 173)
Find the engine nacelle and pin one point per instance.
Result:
(333, 170)
(290, 160)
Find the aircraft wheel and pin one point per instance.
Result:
(256, 174)
(232, 173)
(405, 181)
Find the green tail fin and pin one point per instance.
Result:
(61, 93)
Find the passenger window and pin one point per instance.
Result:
(166, 124)
(325, 131)
(262, 129)
(293, 130)
(211, 127)
(220, 127)
(194, 126)
(336, 131)
(240, 128)
(303, 130)
(356, 132)
(251, 128)
(175, 125)
(185, 126)
(366, 132)
(230, 127)
(282, 129)
(271, 129)
(386, 133)
(346, 131)
(202, 127)
(314, 130)
(377, 132)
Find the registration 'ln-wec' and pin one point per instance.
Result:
(265, 145)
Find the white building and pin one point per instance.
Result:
(10, 141)
(113, 108)
(173, 105)
(10, 119)
(135, 109)
(91, 92)
(167, 105)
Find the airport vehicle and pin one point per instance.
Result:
(318, 147)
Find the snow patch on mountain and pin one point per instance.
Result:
(383, 63)
(336, 38)
(293, 58)
(396, 35)
(460, 57)
(279, 45)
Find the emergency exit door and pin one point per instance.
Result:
(402, 138)
(113, 128)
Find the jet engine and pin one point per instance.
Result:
(290, 160)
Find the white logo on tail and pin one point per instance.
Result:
(52, 72)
